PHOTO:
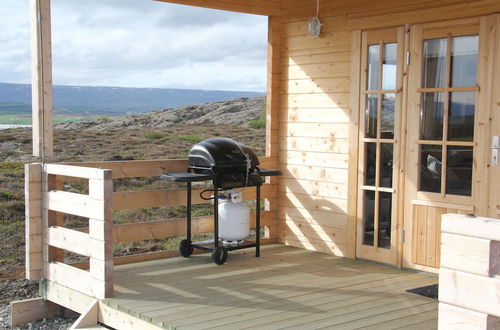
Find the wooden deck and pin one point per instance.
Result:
(285, 288)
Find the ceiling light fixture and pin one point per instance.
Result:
(315, 25)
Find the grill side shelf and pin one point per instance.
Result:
(185, 177)
(193, 177)
(269, 172)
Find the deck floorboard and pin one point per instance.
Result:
(285, 288)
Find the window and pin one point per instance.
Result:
(447, 110)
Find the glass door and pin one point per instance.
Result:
(380, 112)
(443, 136)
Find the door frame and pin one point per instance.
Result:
(484, 203)
(389, 256)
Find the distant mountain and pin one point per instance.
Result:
(16, 99)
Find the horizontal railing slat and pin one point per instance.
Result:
(127, 200)
(69, 240)
(71, 277)
(148, 168)
(75, 204)
(176, 227)
(77, 171)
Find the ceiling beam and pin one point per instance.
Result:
(258, 7)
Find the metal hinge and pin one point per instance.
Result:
(403, 236)
(407, 57)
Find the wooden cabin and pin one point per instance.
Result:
(383, 123)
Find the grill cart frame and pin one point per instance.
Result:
(218, 250)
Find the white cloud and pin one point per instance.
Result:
(140, 43)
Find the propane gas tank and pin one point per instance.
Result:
(234, 217)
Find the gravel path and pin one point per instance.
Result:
(23, 289)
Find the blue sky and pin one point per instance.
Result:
(139, 43)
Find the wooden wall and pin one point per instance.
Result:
(316, 118)
(314, 137)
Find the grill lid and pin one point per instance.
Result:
(222, 155)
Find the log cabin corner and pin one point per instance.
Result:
(382, 124)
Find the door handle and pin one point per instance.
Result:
(494, 150)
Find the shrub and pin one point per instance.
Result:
(260, 122)
(155, 135)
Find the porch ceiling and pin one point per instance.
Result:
(258, 7)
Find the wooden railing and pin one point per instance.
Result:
(54, 238)
(46, 204)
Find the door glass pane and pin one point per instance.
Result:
(389, 66)
(387, 116)
(459, 170)
(431, 116)
(371, 116)
(384, 220)
(386, 161)
(433, 75)
(464, 61)
(368, 227)
(461, 117)
(373, 66)
(370, 161)
(430, 168)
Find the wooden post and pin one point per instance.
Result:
(352, 189)
(33, 222)
(41, 67)
(273, 109)
(273, 87)
(101, 237)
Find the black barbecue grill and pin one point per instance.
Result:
(228, 164)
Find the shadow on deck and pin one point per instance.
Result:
(285, 288)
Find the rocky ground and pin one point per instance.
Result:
(157, 135)
(237, 112)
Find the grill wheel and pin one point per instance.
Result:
(185, 249)
(219, 255)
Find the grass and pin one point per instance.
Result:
(15, 119)
(192, 138)
(11, 217)
(25, 119)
